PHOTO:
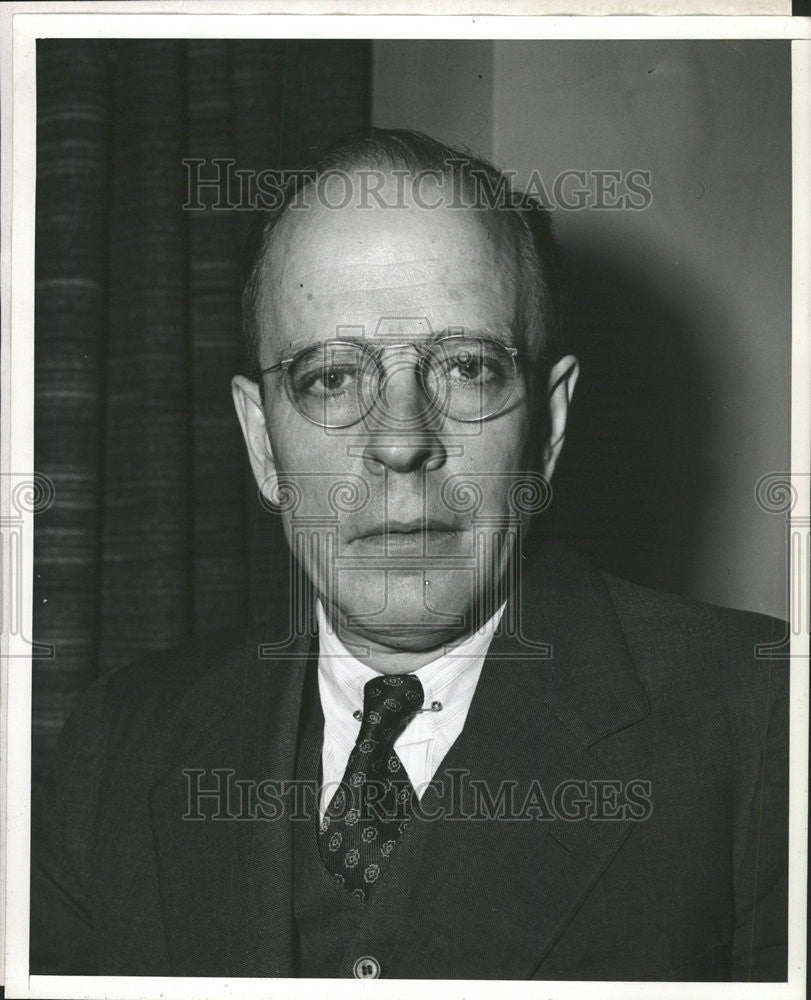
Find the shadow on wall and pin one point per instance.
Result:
(634, 485)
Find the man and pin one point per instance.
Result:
(450, 753)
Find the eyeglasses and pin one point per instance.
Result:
(336, 383)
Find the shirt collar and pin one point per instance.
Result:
(449, 680)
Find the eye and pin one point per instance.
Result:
(474, 363)
(466, 365)
(334, 378)
(327, 372)
(330, 380)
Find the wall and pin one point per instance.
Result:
(680, 310)
(442, 88)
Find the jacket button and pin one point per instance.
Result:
(366, 967)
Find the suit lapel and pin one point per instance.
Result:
(557, 702)
(226, 882)
(492, 895)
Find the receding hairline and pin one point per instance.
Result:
(488, 228)
(401, 154)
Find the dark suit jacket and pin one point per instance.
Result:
(639, 687)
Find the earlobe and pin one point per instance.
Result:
(562, 381)
(251, 416)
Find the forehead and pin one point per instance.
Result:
(394, 269)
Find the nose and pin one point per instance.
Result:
(403, 426)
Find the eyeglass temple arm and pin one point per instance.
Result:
(273, 368)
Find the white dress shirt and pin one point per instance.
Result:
(448, 681)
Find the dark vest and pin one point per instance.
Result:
(333, 930)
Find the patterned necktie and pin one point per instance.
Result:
(370, 809)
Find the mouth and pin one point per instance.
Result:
(418, 526)
(416, 535)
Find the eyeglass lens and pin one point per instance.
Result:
(336, 384)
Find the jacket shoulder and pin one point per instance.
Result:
(137, 708)
(689, 622)
(707, 658)
(168, 673)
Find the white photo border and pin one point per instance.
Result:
(23, 24)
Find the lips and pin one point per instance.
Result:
(419, 526)
(416, 538)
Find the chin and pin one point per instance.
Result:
(405, 609)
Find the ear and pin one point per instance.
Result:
(562, 380)
(251, 416)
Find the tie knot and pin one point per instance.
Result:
(388, 703)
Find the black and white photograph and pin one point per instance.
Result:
(413, 547)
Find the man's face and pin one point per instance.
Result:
(399, 554)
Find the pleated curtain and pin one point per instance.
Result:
(155, 534)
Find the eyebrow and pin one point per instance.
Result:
(503, 335)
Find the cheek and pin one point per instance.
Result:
(299, 446)
(314, 483)
(499, 466)
(501, 446)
